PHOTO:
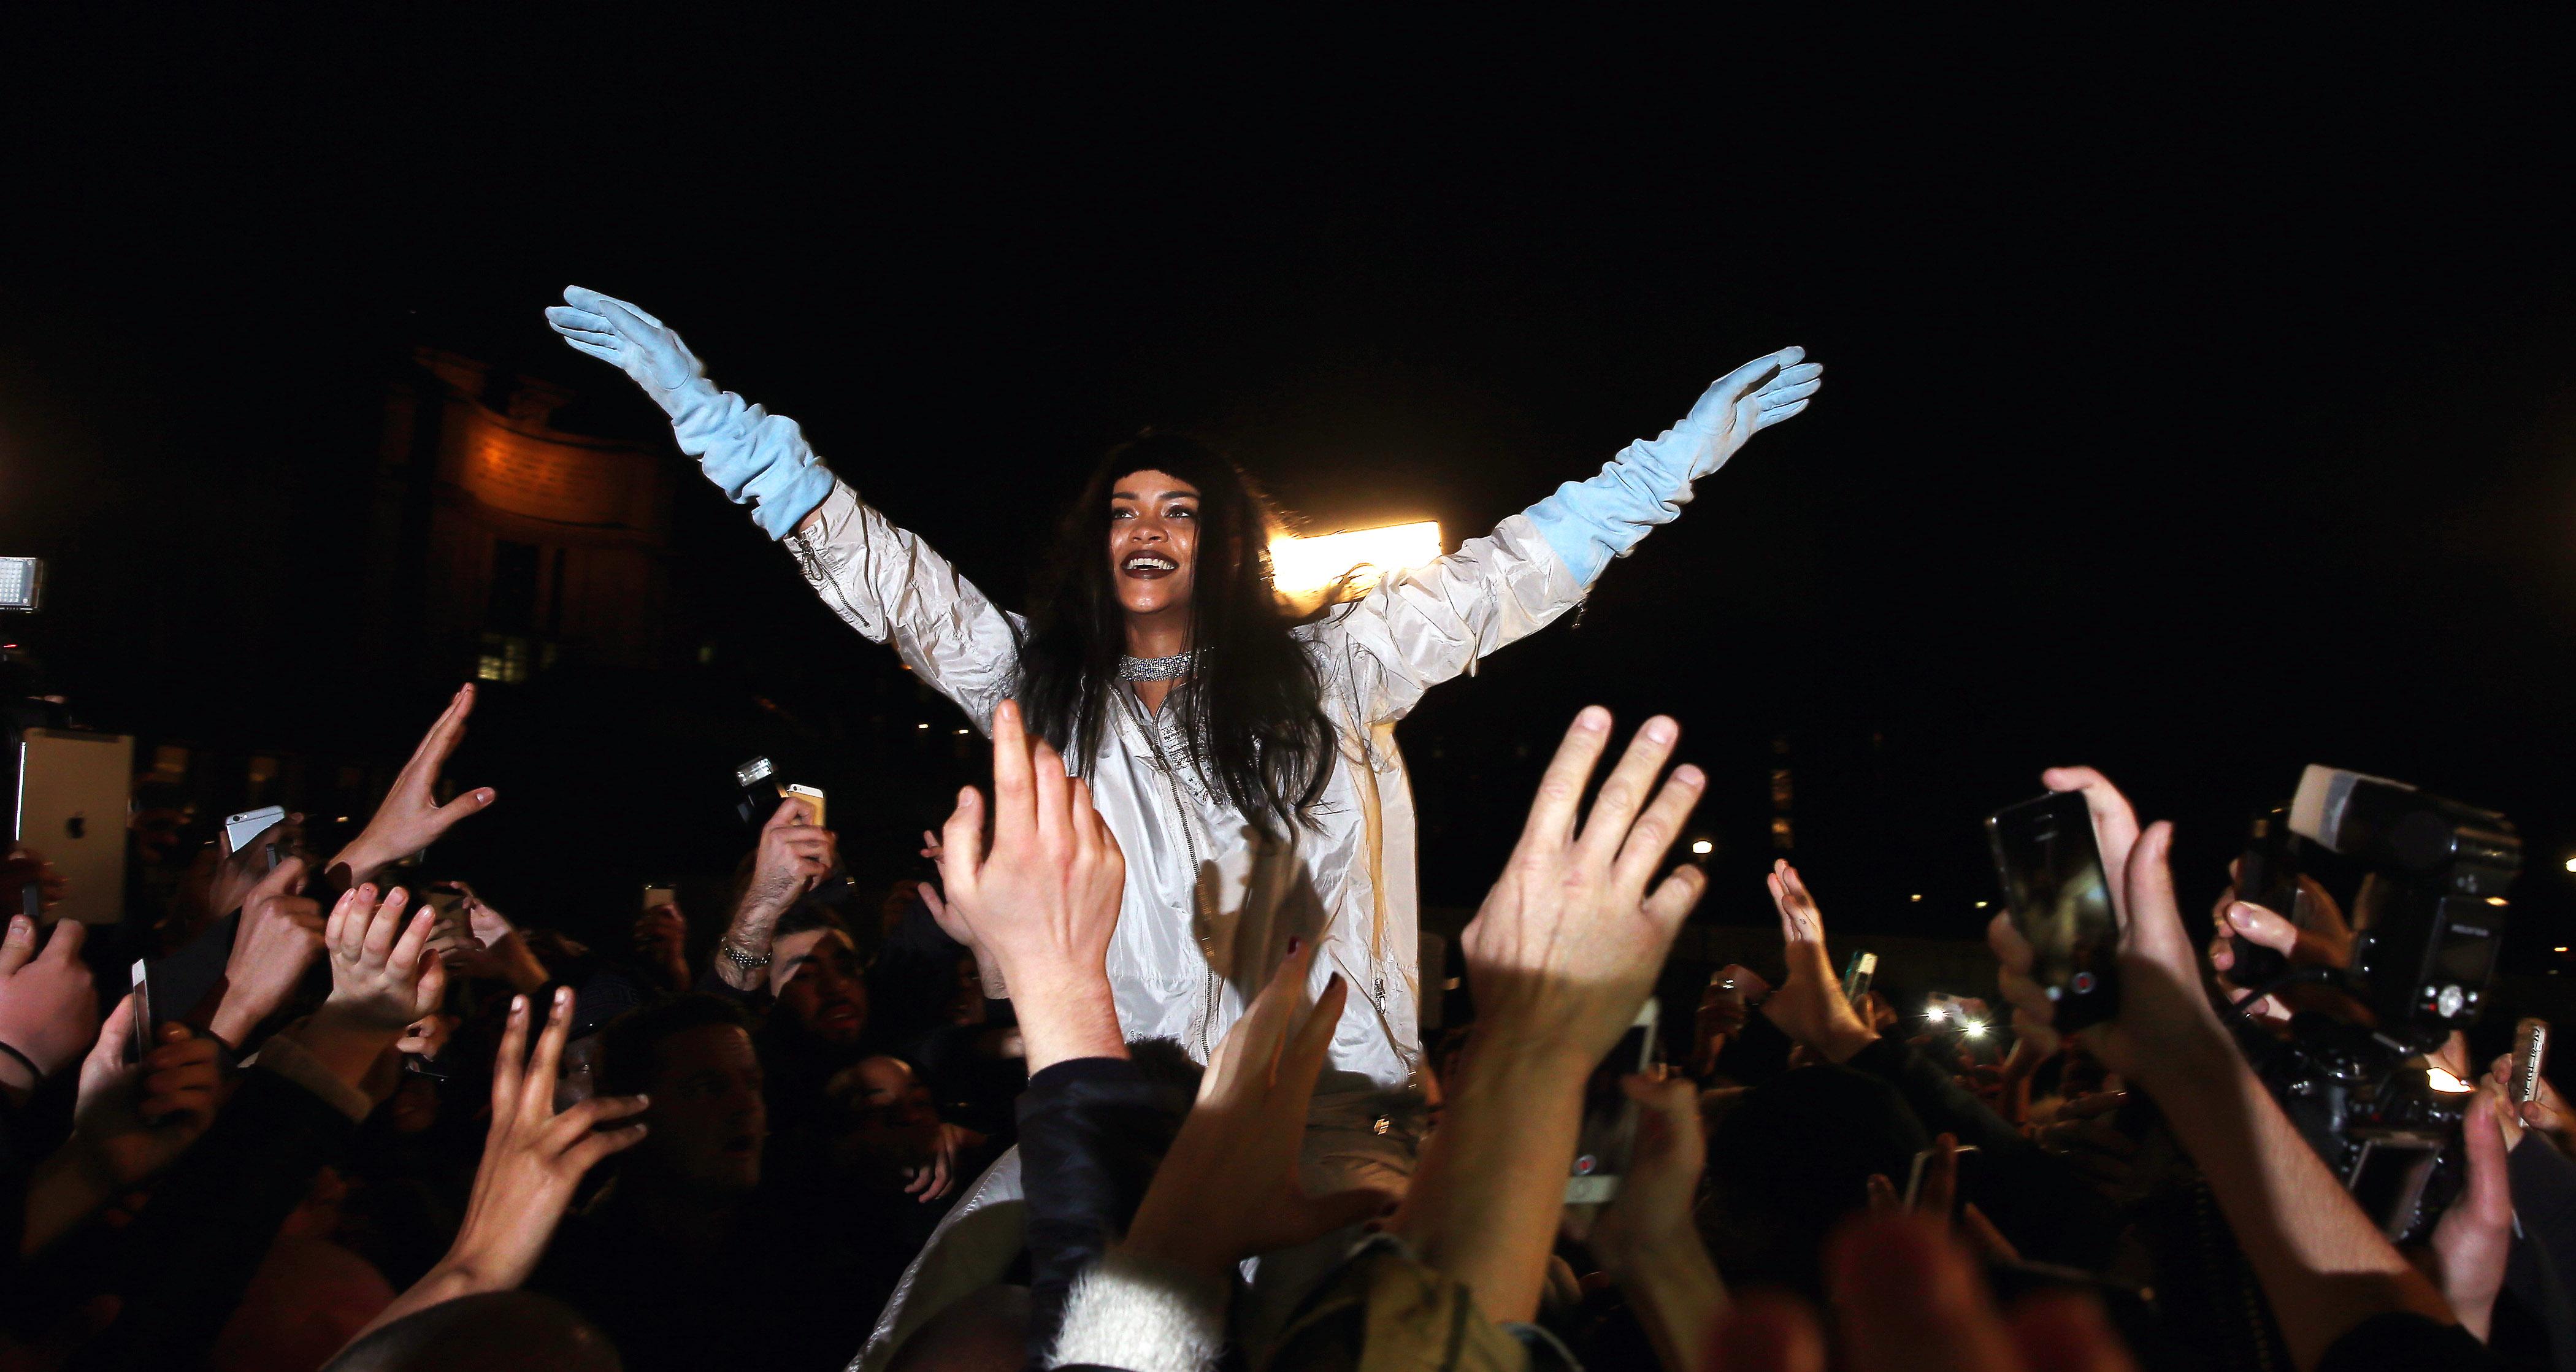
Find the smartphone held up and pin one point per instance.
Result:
(2059, 900)
(1608, 1134)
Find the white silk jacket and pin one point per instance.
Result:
(1211, 898)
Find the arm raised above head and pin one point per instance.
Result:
(1421, 627)
(760, 459)
(1590, 522)
(882, 580)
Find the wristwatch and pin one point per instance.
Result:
(742, 961)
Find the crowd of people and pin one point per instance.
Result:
(1137, 1081)
(402, 1132)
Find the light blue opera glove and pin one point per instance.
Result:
(760, 459)
(1588, 523)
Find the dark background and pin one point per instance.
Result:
(2198, 395)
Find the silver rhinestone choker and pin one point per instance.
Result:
(1158, 668)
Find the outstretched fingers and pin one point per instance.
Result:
(346, 929)
(583, 1136)
(509, 1066)
(1653, 834)
(537, 1095)
(1677, 896)
(1560, 791)
(442, 738)
(1014, 784)
(1302, 1061)
(1615, 810)
(403, 960)
(1244, 1061)
(1052, 793)
(1753, 373)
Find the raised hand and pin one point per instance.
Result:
(280, 935)
(938, 1174)
(794, 854)
(1568, 942)
(137, 1118)
(382, 977)
(1560, 957)
(1752, 398)
(411, 818)
(487, 947)
(2329, 1269)
(1228, 1188)
(2475, 1234)
(1809, 1006)
(130, 1121)
(630, 340)
(238, 874)
(48, 1006)
(1043, 901)
(2546, 1112)
(1645, 1239)
(1907, 1298)
(2163, 1010)
(661, 938)
(533, 1158)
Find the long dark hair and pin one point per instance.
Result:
(1252, 711)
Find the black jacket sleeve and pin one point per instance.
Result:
(184, 1263)
(1092, 1131)
(2036, 1200)
(2543, 1257)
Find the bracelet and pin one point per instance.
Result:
(742, 961)
(35, 1074)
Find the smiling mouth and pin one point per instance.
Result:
(1148, 566)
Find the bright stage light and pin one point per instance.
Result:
(1702, 847)
(1308, 566)
(2444, 1082)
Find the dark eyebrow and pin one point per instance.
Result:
(1165, 495)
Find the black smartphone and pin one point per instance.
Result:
(2267, 874)
(2060, 902)
(755, 795)
(1608, 1133)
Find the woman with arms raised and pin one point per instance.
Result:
(1244, 757)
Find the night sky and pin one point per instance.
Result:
(2200, 399)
